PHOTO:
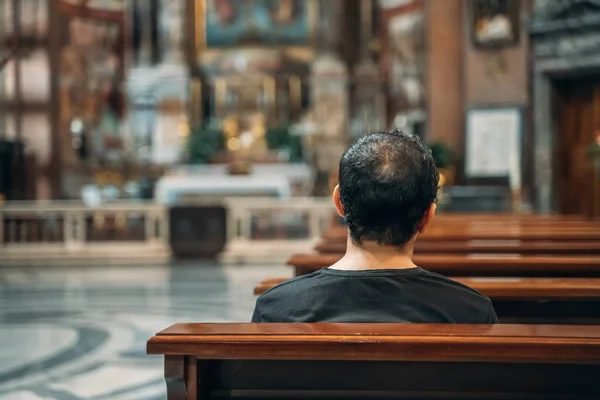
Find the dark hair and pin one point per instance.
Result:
(387, 181)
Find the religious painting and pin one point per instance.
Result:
(230, 23)
(91, 76)
(494, 23)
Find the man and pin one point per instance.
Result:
(386, 192)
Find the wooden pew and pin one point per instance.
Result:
(565, 301)
(477, 265)
(510, 288)
(509, 216)
(485, 246)
(515, 218)
(464, 232)
(379, 361)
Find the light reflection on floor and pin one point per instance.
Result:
(80, 332)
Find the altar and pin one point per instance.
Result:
(203, 184)
(201, 217)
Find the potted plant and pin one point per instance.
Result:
(593, 152)
(204, 143)
(444, 161)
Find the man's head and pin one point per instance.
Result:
(387, 188)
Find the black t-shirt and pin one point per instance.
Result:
(391, 295)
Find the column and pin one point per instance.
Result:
(543, 139)
(171, 23)
(143, 13)
(329, 92)
(368, 103)
(445, 87)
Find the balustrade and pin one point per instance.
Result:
(271, 229)
(59, 230)
(262, 229)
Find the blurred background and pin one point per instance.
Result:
(159, 157)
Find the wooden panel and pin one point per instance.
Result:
(510, 288)
(468, 231)
(379, 361)
(485, 246)
(197, 231)
(408, 342)
(476, 264)
(268, 379)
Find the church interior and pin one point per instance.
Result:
(167, 161)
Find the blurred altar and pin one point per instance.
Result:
(120, 97)
(197, 107)
(268, 116)
(251, 100)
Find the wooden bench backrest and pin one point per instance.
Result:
(476, 264)
(509, 288)
(516, 246)
(368, 361)
(557, 301)
(467, 230)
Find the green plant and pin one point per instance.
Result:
(593, 151)
(203, 143)
(280, 138)
(442, 154)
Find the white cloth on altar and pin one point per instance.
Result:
(276, 180)
(293, 172)
(170, 189)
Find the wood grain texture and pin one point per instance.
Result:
(476, 264)
(510, 288)
(465, 227)
(175, 377)
(486, 246)
(390, 342)
(491, 233)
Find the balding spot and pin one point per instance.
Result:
(386, 161)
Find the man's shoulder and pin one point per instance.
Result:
(292, 285)
(465, 303)
(451, 284)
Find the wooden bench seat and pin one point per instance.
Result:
(379, 361)
(513, 265)
(486, 246)
(492, 233)
(510, 216)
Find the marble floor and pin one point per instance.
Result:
(80, 332)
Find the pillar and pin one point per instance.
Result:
(445, 85)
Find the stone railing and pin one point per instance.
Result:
(265, 230)
(269, 230)
(61, 232)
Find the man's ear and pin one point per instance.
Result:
(427, 218)
(337, 201)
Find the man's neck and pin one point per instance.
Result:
(370, 256)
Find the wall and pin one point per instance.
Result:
(496, 77)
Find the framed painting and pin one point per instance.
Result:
(494, 23)
(223, 24)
